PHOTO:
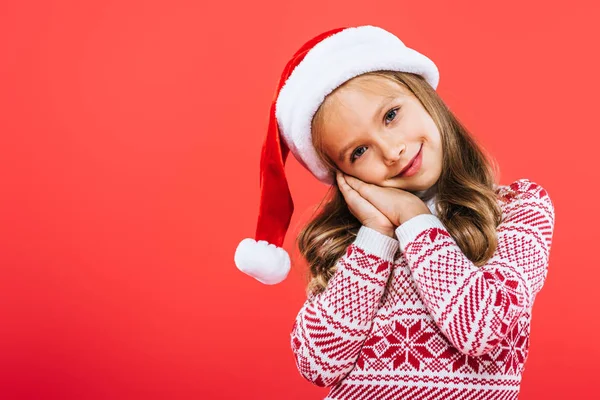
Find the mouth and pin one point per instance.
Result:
(410, 164)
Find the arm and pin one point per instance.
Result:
(330, 329)
(475, 307)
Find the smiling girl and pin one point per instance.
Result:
(422, 269)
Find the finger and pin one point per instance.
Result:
(349, 190)
(373, 194)
(349, 193)
(355, 183)
(365, 189)
(341, 182)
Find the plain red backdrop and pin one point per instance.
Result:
(130, 135)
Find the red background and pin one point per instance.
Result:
(130, 136)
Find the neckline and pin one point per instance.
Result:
(428, 196)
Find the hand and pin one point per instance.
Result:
(396, 204)
(365, 212)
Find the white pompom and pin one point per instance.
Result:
(262, 260)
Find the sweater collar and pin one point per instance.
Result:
(429, 197)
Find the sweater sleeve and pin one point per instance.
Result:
(476, 307)
(329, 331)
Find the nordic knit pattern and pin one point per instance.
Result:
(446, 329)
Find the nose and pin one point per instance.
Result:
(392, 153)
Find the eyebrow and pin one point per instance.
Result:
(344, 150)
(387, 100)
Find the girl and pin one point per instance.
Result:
(423, 271)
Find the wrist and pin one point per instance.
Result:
(391, 232)
(411, 216)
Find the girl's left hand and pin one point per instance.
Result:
(396, 204)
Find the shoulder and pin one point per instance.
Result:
(524, 187)
(525, 192)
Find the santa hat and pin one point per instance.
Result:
(318, 68)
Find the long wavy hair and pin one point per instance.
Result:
(466, 197)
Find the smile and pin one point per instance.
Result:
(413, 167)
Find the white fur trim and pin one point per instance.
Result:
(263, 261)
(329, 64)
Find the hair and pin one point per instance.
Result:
(466, 197)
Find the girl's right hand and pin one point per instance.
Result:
(364, 211)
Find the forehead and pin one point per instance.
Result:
(372, 84)
(358, 100)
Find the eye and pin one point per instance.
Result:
(352, 158)
(393, 112)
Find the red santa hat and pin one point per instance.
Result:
(320, 66)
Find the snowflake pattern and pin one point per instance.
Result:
(443, 324)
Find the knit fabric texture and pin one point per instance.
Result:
(446, 329)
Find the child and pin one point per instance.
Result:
(423, 270)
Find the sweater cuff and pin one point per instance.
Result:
(409, 230)
(376, 243)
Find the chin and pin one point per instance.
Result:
(419, 185)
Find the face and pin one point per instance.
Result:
(373, 132)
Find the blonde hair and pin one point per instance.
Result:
(466, 198)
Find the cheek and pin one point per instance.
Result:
(368, 171)
(433, 132)
(375, 172)
(433, 158)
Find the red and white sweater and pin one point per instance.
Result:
(449, 330)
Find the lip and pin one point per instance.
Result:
(410, 163)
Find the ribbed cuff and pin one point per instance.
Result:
(417, 224)
(376, 243)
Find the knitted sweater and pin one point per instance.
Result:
(446, 328)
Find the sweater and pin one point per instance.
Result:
(446, 328)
